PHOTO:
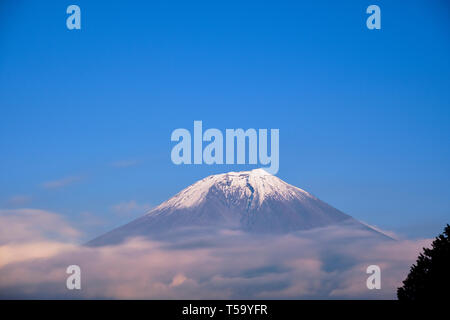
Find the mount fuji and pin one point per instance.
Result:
(249, 201)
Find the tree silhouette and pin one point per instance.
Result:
(429, 278)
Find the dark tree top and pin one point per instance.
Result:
(429, 277)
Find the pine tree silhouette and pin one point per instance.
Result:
(429, 278)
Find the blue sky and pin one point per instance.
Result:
(364, 116)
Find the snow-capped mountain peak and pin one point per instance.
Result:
(252, 201)
(253, 186)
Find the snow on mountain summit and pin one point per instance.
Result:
(253, 201)
(251, 186)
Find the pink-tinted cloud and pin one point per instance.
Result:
(323, 263)
(30, 225)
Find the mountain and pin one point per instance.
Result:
(252, 201)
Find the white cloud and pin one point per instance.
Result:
(27, 225)
(323, 263)
(19, 200)
(131, 208)
(17, 252)
(54, 184)
(124, 163)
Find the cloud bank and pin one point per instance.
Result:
(326, 263)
